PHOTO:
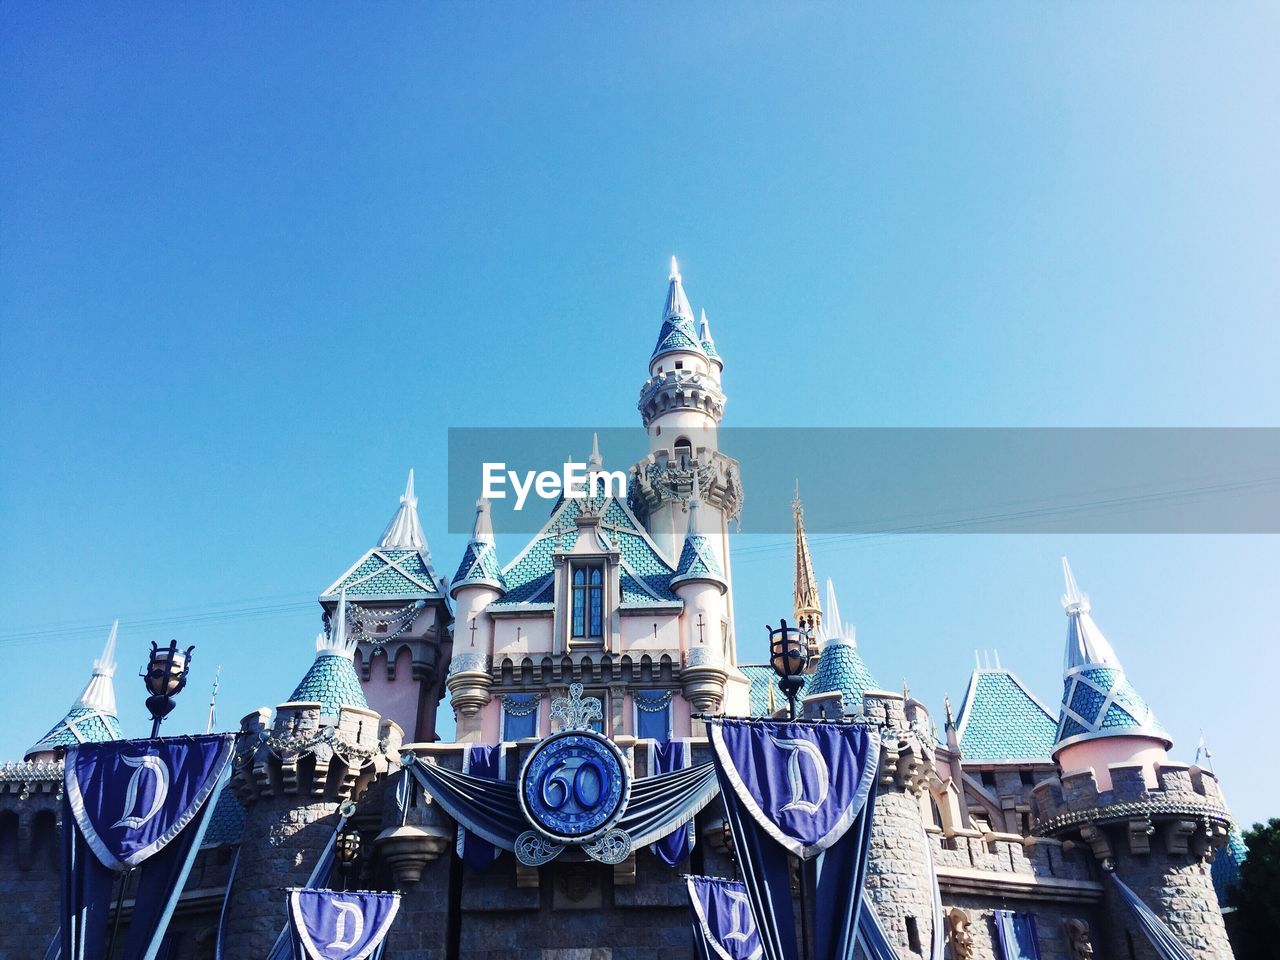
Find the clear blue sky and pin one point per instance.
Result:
(255, 259)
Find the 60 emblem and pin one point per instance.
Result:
(574, 786)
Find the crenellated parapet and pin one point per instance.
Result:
(1185, 813)
(665, 477)
(305, 754)
(907, 741)
(672, 390)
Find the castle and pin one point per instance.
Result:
(1012, 805)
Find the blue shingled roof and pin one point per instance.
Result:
(81, 725)
(1100, 699)
(698, 560)
(479, 565)
(1001, 720)
(226, 823)
(646, 573)
(1225, 869)
(333, 683)
(763, 680)
(841, 668)
(398, 574)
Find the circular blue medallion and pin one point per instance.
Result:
(574, 786)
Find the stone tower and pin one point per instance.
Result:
(477, 584)
(681, 405)
(399, 618)
(1156, 824)
(293, 774)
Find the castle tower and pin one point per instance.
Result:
(700, 582)
(92, 718)
(1155, 823)
(477, 584)
(681, 405)
(323, 749)
(399, 619)
(808, 609)
(839, 669)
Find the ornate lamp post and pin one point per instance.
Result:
(347, 849)
(165, 675)
(788, 655)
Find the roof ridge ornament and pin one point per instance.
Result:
(1073, 600)
(404, 532)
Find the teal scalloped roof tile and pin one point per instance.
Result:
(332, 682)
(698, 559)
(479, 563)
(677, 334)
(388, 573)
(763, 678)
(1000, 721)
(226, 823)
(1225, 869)
(92, 725)
(841, 667)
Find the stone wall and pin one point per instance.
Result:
(30, 854)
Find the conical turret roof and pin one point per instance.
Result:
(480, 566)
(698, 560)
(840, 666)
(1097, 698)
(331, 681)
(92, 718)
(708, 344)
(678, 331)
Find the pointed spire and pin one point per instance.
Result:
(336, 643)
(1097, 698)
(404, 532)
(698, 560)
(594, 462)
(480, 566)
(808, 608)
(92, 719)
(708, 344)
(832, 629)
(331, 681)
(678, 332)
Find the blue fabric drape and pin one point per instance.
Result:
(1161, 937)
(86, 894)
(490, 808)
(481, 760)
(666, 757)
(222, 914)
(1016, 935)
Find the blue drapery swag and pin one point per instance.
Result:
(666, 756)
(481, 760)
(335, 925)
(872, 936)
(489, 808)
(1016, 935)
(723, 925)
(1162, 938)
(138, 805)
(805, 789)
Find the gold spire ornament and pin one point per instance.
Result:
(808, 609)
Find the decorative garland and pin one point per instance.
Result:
(324, 743)
(364, 622)
(514, 705)
(653, 703)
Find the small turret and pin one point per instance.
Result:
(478, 583)
(840, 668)
(1103, 719)
(700, 582)
(708, 344)
(92, 718)
(677, 334)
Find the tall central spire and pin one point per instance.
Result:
(404, 532)
(679, 332)
(808, 608)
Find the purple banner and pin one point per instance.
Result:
(803, 783)
(331, 925)
(131, 798)
(722, 917)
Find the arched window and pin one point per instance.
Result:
(684, 449)
(588, 602)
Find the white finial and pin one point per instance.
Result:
(997, 652)
(404, 532)
(105, 665)
(595, 462)
(833, 628)
(336, 643)
(1073, 600)
(483, 528)
(213, 701)
(408, 496)
(977, 660)
(675, 269)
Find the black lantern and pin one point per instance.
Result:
(789, 655)
(165, 675)
(347, 850)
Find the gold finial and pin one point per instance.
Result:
(808, 609)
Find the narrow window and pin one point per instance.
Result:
(1025, 777)
(679, 364)
(989, 779)
(579, 602)
(597, 602)
(653, 714)
(684, 449)
(913, 935)
(519, 716)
